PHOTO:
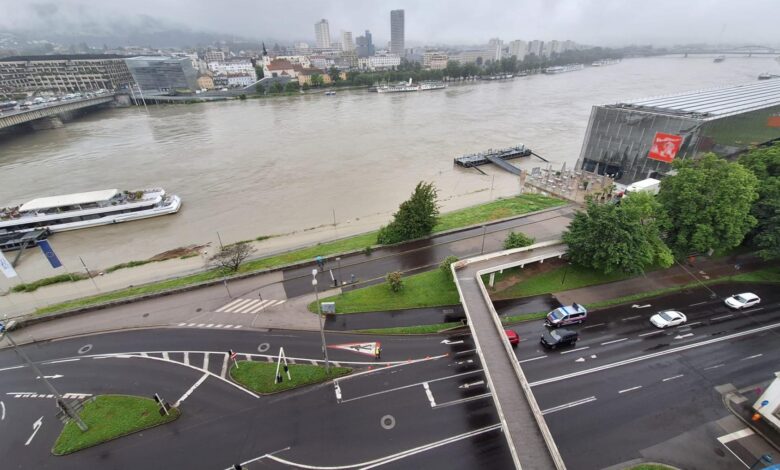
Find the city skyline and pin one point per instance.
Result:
(437, 22)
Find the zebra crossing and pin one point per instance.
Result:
(249, 305)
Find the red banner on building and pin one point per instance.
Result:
(773, 121)
(665, 147)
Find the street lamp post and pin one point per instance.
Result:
(338, 273)
(484, 231)
(60, 401)
(319, 315)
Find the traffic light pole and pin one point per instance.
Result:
(68, 410)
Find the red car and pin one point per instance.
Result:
(513, 337)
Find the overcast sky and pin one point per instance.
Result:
(597, 22)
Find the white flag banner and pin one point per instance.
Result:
(6, 267)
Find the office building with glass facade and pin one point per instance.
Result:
(158, 74)
(640, 139)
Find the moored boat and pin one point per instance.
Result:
(89, 209)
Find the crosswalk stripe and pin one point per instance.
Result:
(249, 306)
(238, 326)
(229, 305)
(239, 305)
(263, 304)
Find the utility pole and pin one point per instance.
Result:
(60, 401)
(319, 315)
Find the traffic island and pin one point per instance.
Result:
(109, 417)
(261, 377)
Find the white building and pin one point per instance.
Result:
(496, 46)
(536, 47)
(347, 44)
(301, 60)
(518, 49)
(233, 67)
(435, 60)
(240, 80)
(379, 62)
(322, 33)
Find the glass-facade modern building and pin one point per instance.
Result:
(634, 140)
(158, 74)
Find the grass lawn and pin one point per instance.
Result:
(259, 376)
(428, 289)
(499, 209)
(109, 417)
(550, 281)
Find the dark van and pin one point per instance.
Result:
(561, 337)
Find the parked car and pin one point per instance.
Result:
(566, 315)
(553, 339)
(743, 300)
(668, 318)
(514, 339)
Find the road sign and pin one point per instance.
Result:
(361, 348)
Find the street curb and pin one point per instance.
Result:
(727, 401)
(32, 319)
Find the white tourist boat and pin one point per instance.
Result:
(563, 68)
(404, 87)
(90, 209)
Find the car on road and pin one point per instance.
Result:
(743, 300)
(566, 315)
(553, 339)
(668, 318)
(512, 336)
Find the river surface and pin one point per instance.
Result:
(290, 165)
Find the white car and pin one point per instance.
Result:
(668, 318)
(744, 300)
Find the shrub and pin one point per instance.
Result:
(517, 240)
(445, 265)
(395, 281)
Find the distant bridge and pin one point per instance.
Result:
(741, 50)
(46, 115)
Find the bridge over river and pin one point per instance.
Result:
(48, 115)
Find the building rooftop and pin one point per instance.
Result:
(38, 58)
(712, 103)
(68, 200)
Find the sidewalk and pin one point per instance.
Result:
(740, 403)
(703, 269)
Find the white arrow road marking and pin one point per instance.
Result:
(51, 376)
(581, 359)
(640, 306)
(446, 341)
(473, 384)
(36, 426)
(683, 336)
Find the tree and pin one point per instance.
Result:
(623, 237)
(334, 74)
(764, 163)
(317, 80)
(415, 218)
(708, 204)
(260, 88)
(445, 265)
(517, 240)
(291, 86)
(395, 281)
(277, 88)
(259, 72)
(230, 257)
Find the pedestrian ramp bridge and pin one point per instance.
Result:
(529, 439)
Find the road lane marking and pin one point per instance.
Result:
(192, 389)
(697, 303)
(654, 355)
(753, 310)
(61, 361)
(568, 405)
(223, 373)
(722, 317)
(206, 362)
(630, 389)
(165, 356)
(714, 367)
(614, 341)
(575, 350)
(472, 372)
(429, 394)
(736, 456)
(12, 368)
(531, 359)
(632, 318)
(249, 306)
(736, 435)
(690, 324)
(463, 400)
(186, 358)
(231, 304)
(592, 326)
(2, 408)
(673, 377)
(652, 333)
(751, 357)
